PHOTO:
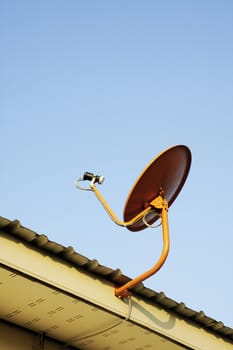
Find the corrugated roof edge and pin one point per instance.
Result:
(68, 254)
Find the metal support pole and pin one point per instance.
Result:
(123, 291)
(158, 203)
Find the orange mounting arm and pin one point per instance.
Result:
(111, 213)
(159, 203)
(123, 291)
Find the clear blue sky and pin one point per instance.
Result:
(105, 86)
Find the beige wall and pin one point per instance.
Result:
(14, 338)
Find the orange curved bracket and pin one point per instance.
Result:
(159, 203)
(123, 291)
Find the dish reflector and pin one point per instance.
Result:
(166, 173)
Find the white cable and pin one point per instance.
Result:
(76, 339)
(149, 225)
(79, 187)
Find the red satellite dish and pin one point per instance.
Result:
(166, 173)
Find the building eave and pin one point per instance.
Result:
(35, 251)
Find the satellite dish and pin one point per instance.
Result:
(165, 175)
(149, 199)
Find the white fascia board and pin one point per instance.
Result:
(57, 273)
